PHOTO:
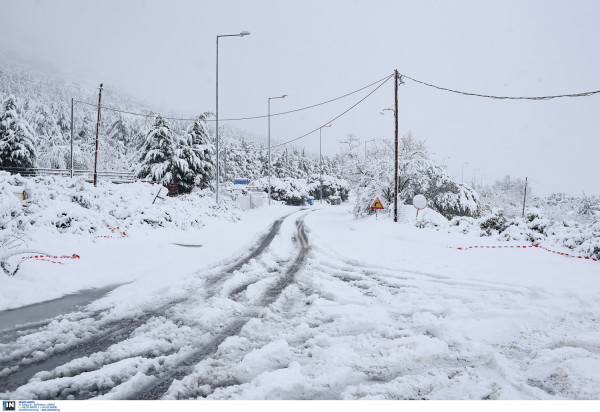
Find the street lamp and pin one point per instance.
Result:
(444, 160)
(241, 34)
(321, 160)
(269, 122)
(462, 178)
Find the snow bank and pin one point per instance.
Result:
(75, 206)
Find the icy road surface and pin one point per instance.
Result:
(325, 307)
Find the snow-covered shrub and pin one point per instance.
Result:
(495, 222)
(453, 199)
(291, 191)
(332, 186)
(537, 223)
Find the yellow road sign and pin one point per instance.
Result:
(377, 204)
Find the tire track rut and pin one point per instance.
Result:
(157, 389)
(116, 331)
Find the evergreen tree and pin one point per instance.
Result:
(156, 161)
(192, 162)
(17, 148)
(55, 152)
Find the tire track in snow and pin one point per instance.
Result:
(119, 330)
(155, 390)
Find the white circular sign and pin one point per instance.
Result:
(419, 202)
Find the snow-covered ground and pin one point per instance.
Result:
(305, 303)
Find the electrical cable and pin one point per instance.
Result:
(151, 114)
(338, 116)
(583, 94)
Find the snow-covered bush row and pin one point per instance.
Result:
(508, 194)
(332, 186)
(294, 192)
(76, 206)
(289, 190)
(536, 228)
(560, 205)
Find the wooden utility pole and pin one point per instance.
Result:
(524, 196)
(396, 80)
(72, 104)
(97, 132)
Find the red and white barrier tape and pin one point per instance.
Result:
(524, 247)
(122, 234)
(48, 258)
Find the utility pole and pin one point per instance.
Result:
(97, 132)
(396, 80)
(72, 137)
(524, 196)
(321, 162)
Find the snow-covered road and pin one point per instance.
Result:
(325, 307)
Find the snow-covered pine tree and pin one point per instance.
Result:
(156, 161)
(17, 141)
(192, 161)
(54, 150)
(203, 151)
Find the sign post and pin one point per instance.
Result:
(420, 203)
(376, 205)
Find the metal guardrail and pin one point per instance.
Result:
(115, 177)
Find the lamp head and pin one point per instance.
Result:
(284, 96)
(244, 33)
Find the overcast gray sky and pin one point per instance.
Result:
(164, 52)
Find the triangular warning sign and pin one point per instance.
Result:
(377, 204)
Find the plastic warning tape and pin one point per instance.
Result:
(524, 247)
(48, 258)
(122, 234)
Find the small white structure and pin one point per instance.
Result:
(252, 199)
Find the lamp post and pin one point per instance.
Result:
(321, 160)
(269, 122)
(462, 178)
(444, 161)
(241, 34)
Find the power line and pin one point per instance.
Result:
(584, 94)
(311, 106)
(151, 114)
(338, 116)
